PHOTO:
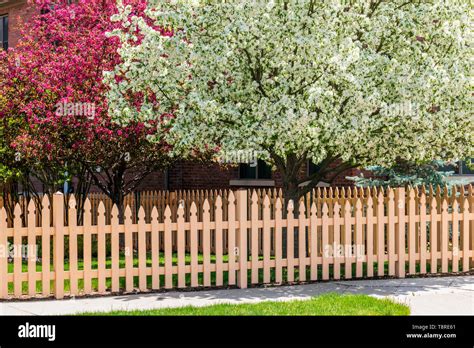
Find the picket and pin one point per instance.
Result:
(73, 259)
(302, 242)
(391, 232)
(168, 250)
(128, 249)
(101, 252)
(181, 247)
(465, 236)
(155, 250)
(370, 237)
(87, 247)
(58, 223)
(434, 236)
(242, 238)
(194, 246)
(411, 232)
(46, 247)
(17, 252)
(206, 217)
(400, 238)
(219, 237)
(231, 243)
(266, 240)
(31, 247)
(423, 246)
(380, 235)
(142, 279)
(444, 236)
(254, 237)
(325, 241)
(313, 242)
(358, 238)
(347, 241)
(115, 249)
(3, 255)
(290, 249)
(455, 237)
(278, 242)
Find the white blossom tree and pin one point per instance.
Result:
(340, 83)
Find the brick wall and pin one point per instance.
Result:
(189, 175)
(193, 176)
(18, 13)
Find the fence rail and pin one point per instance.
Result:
(233, 239)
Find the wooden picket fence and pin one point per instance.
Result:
(239, 238)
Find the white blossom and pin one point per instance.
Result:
(310, 78)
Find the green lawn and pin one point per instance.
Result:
(94, 265)
(108, 265)
(328, 304)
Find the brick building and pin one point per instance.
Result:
(182, 175)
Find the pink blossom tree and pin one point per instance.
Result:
(52, 85)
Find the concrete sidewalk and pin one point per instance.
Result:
(425, 296)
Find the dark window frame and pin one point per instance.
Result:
(463, 167)
(4, 22)
(460, 168)
(311, 168)
(262, 171)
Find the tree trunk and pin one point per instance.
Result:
(117, 197)
(289, 169)
(291, 192)
(82, 191)
(295, 186)
(10, 198)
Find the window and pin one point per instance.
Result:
(313, 168)
(460, 168)
(4, 32)
(259, 171)
(454, 167)
(50, 7)
(47, 8)
(466, 169)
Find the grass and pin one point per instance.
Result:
(328, 304)
(94, 266)
(108, 265)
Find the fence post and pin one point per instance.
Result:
(400, 234)
(58, 252)
(242, 205)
